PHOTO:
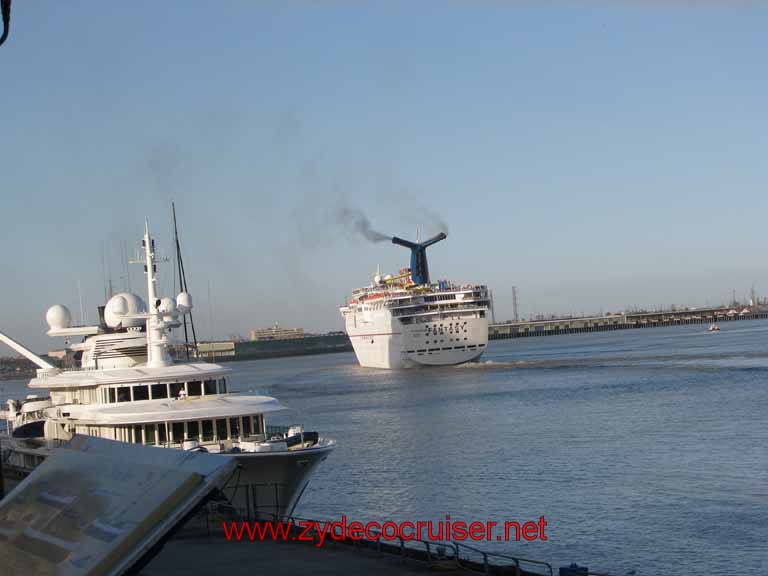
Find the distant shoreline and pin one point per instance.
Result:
(21, 375)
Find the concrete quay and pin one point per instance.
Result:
(623, 321)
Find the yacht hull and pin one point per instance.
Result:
(265, 485)
(269, 485)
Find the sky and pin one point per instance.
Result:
(596, 155)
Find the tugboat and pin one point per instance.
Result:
(407, 320)
(125, 386)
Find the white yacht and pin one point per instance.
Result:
(405, 320)
(125, 386)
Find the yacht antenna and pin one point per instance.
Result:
(183, 284)
(210, 320)
(5, 5)
(80, 297)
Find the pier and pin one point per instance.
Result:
(623, 321)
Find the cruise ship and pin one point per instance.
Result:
(405, 320)
(125, 386)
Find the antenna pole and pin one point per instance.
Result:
(183, 284)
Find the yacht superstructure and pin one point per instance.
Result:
(406, 320)
(125, 386)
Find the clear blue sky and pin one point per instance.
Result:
(595, 154)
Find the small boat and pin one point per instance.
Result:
(714, 327)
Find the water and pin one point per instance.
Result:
(644, 449)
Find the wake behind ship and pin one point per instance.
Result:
(406, 320)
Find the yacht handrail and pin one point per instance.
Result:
(45, 376)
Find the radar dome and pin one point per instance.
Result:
(184, 302)
(58, 317)
(167, 306)
(122, 305)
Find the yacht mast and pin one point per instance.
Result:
(156, 354)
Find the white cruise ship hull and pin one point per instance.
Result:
(382, 341)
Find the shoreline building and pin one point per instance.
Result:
(276, 332)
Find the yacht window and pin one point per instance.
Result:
(193, 430)
(207, 430)
(124, 394)
(176, 387)
(221, 429)
(177, 429)
(137, 434)
(246, 426)
(140, 393)
(222, 385)
(234, 427)
(161, 435)
(111, 395)
(159, 391)
(209, 387)
(149, 434)
(258, 424)
(194, 388)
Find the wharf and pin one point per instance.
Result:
(211, 555)
(260, 349)
(624, 321)
(201, 545)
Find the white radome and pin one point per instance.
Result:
(167, 306)
(122, 305)
(58, 317)
(183, 302)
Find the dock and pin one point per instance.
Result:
(201, 545)
(622, 321)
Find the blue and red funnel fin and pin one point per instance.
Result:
(419, 266)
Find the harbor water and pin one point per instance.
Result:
(644, 450)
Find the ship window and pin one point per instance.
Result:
(149, 434)
(222, 385)
(221, 429)
(177, 431)
(258, 424)
(161, 435)
(137, 434)
(207, 430)
(159, 391)
(246, 426)
(140, 393)
(176, 387)
(193, 430)
(124, 394)
(209, 387)
(194, 388)
(234, 427)
(111, 393)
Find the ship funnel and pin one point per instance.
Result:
(419, 266)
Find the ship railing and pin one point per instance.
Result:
(43, 375)
(276, 430)
(469, 556)
(434, 552)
